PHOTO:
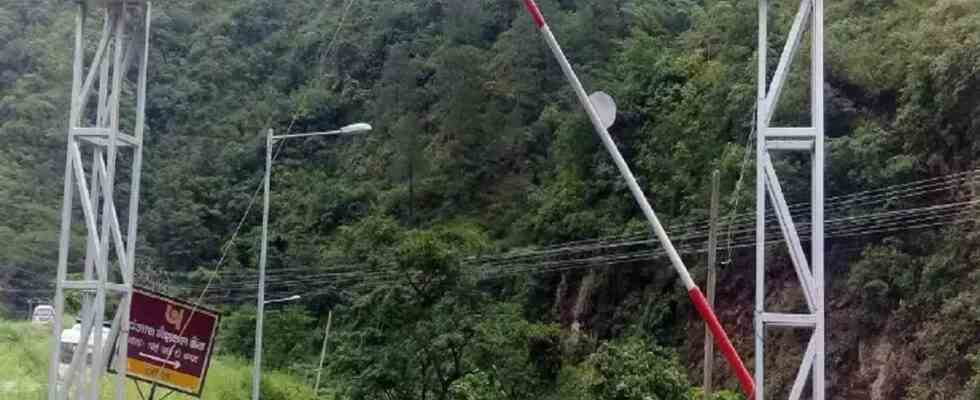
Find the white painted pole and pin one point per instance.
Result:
(817, 105)
(108, 188)
(762, 124)
(323, 354)
(260, 313)
(134, 198)
(65, 234)
(709, 346)
(98, 159)
(697, 297)
(617, 157)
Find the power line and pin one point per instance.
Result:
(738, 184)
(625, 248)
(898, 216)
(336, 34)
(892, 221)
(862, 222)
(850, 201)
(839, 204)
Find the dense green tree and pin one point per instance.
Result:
(633, 370)
(479, 146)
(288, 334)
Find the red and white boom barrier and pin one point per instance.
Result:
(601, 122)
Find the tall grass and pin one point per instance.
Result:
(23, 361)
(24, 373)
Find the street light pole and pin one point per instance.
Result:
(270, 139)
(257, 372)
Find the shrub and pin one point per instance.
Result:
(286, 337)
(635, 370)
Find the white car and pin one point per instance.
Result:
(70, 339)
(43, 315)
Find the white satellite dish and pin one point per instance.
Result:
(605, 106)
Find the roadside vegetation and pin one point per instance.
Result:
(479, 148)
(24, 372)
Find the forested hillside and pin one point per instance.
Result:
(479, 148)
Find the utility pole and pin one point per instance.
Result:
(411, 180)
(709, 345)
(260, 312)
(323, 354)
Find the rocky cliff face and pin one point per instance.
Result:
(902, 353)
(910, 353)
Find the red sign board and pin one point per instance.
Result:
(170, 341)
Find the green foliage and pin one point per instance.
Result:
(287, 335)
(231, 378)
(929, 85)
(630, 369)
(972, 389)
(234, 335)
(698, 394)
(575, 382)
(24, 367)
(478, 146)
(432, 334)
(926, 286)
(951, 293)
(23, 359)
(881, 279)
(868, 156)
(519, 360)
(562, 213)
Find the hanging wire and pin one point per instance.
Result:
(608, 252)
(847, 226)
(226, 249)
(738, 189)
(333, 40)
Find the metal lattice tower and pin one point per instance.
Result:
(792, 139)
(107, 272)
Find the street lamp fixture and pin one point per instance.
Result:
(356, 128)
(284, 300)
(352, 129)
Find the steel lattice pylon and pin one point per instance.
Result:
(107, 272)
(798, 139)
